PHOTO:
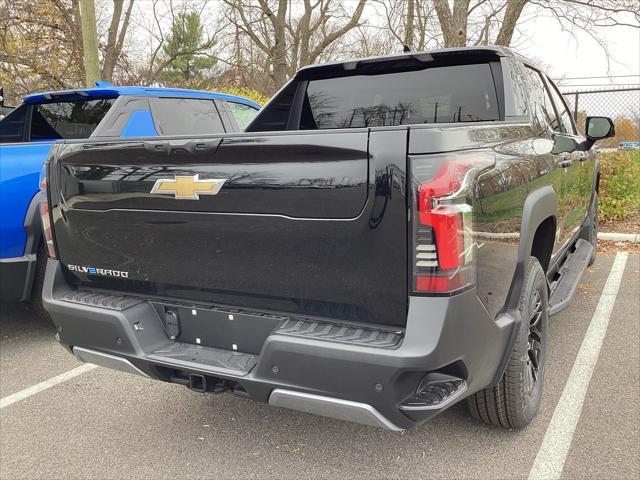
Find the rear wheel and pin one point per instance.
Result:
(515, 400)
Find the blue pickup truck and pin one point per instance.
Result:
(29, 131)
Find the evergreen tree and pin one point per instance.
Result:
(186, 51)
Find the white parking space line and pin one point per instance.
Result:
(553, 452)
(39, 387)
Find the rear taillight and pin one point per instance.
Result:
(45, 214)
(442, 220)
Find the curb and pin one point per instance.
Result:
(620, 237)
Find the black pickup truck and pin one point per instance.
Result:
(387, 237)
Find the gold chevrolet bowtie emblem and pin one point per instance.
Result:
(188, 187)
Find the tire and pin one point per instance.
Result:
(38, 282)
(515, 400)
(592, 235)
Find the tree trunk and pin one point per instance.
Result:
(411, 15)
(89, 41)
(459, 23)
(511, 16)
(77, 36)
(453, 23)
(303, 38)
(115, 38)
(112, 35)
(279, 50)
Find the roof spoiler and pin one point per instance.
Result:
(419, 59)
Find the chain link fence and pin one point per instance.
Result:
(621, 104)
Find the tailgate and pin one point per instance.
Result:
(308, 223)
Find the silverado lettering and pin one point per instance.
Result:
(98, 271)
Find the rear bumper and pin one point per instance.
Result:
(16, 277)
(356, 382)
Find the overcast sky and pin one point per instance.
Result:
(543, 39)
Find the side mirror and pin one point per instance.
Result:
(598, 128)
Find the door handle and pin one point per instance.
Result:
(565, 160)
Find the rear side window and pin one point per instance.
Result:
(451, 94)
(275, 115)
(518, 73)
(186, 116)
(12, 126)
(62, 120)
(243, 114)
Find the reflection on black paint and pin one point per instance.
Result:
(323, 177)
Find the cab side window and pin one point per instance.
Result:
(186, 116)
(543, 109)
(12, 126)
(566, 122)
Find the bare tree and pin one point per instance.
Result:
(287, 35)
(407, 22)
(259, 44)
(455, 23)
(115, 37)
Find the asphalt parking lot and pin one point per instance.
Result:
(105, 424)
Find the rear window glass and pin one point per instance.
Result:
(186, 116)
(61, 120)
(451, 94)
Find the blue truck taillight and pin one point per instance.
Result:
(443, 247)
(45, 214)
